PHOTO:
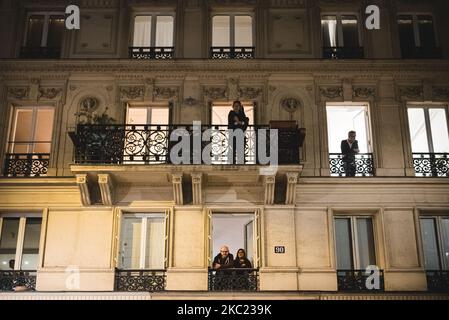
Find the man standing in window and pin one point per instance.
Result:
(349, 148)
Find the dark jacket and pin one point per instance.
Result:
(241, 116)
(224, 263)
(242, 263)
(349, 152)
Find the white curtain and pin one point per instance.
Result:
(332, 28)
(142, 31)
(164, 31)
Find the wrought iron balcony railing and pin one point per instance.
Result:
(150, 144)
(26, 164)
(431, 164)
(236, 279)
(410, 52)
(356, 280)
(151, 52)
(139, 280)
(40, 53)
(12, 280)
(232, 52)
(438, 280)
(343, 53)
(364, 166)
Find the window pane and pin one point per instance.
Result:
(221, 31)
(8, 243)
(418, 133)
(155, 243)
(365, 242)
(137, 115)
(55, 29)
(35, 30)
(21, 130)
(430, 245)
(220, 113)
(329, 28)
(343, 244)
(142, 31)
(130, 243)
(164, 31)
(406, 34)
(438, 125)
(445, 244)
(243, 31)
(341, 120)
(426, 31)
(30, 254)
(159, 116)
(350, 31)
(43, 130)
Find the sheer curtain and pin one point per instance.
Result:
(164, 31)
(142, 31)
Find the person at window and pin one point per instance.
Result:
(12, 262)
(223, 260)
(237, 119)
(241, 261)
(349, 148)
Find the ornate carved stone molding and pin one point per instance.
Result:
(290, 104)
(197, 180)
(177, 188)
(215, 93)
(364, 92)
(249, 93)
(81, 181)
(269, 183)
(440, 93)
(410, 92)
(106, 189)
(18, 93)
(165, 93)
(191, 102)
(131, 93)
(331, 92)
(290, 194)
(49, 93)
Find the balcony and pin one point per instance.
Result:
(12, 280)
(26, 164)
(437, 280)
(139, 280)
(431, 164)
(150, 144)
(233, 280)
(355, 281)
(364, 166)
(421, 53)
(232, 52)
(40, 53)
(343, 53)
(151, 52)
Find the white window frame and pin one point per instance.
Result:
(46, 15)
(144, 218)
(340, 38)
(416, 27)
(427, 122)
(439, 235)
(354, 244)
(20, 234)
(257, 233)
(154, 16)
(368, 125)
(232, 26)
(13, 121)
